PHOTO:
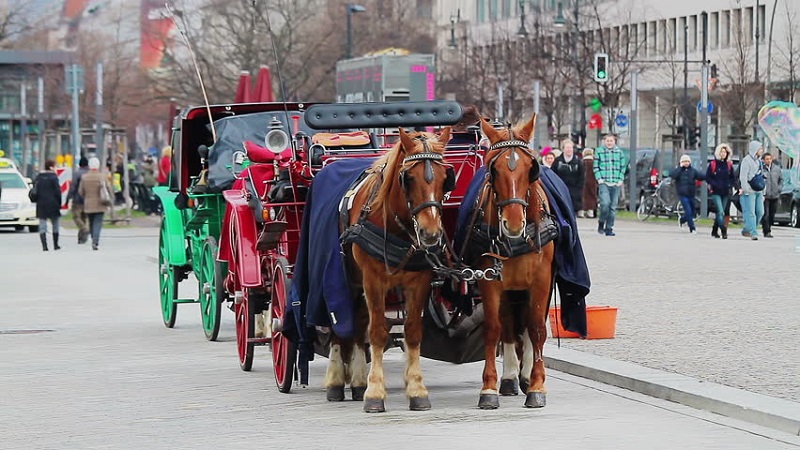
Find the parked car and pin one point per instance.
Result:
(16, 210)
(788, 208)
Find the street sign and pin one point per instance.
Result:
(710, 107)
(621, 120)
(73, 78)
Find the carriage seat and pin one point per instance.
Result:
(356, 143)
(261, 155)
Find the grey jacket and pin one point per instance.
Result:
(747, 169)
(774, 177)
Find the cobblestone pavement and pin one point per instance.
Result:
(721, 311)
(110, 376)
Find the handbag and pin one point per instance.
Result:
(33, 193)
(758, 183)
(105, 197)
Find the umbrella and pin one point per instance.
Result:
(243, 88)
(263, 89)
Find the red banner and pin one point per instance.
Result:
(73, 9)
(155, 31)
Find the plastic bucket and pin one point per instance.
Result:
(601, 323)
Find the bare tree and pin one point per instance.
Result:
(789, 54)
(13, 22)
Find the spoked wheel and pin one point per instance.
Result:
(168, 282)
(245, 330)
(645, 207)
(210, 304)
(284, 352)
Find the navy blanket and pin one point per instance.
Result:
(572, 273)
(319, 295)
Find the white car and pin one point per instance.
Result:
(16, 209)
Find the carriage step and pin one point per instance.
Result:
(184, 300)
(263, 340)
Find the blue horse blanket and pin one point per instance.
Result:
(572, 273)
(319, 295)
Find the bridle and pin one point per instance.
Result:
(510, 145)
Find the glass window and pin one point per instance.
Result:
(480, 11)
(11, 180)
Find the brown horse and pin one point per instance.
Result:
(401, 198)
(513, 204)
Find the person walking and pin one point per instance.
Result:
(685, 177)
(774, 185)
(78, 215)
(589, 197)
(95, 202)
(569, 168)
(547, 157)
(609, 170)
(47, 193)
(721, 180)
(149, 172)
(165, 166)
(751, 192)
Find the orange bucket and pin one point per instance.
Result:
(601, 323)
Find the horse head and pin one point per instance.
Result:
(424, 178)
(512, 169)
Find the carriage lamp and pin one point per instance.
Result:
(276, 139)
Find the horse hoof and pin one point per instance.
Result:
(524, 385)
(509, 387)
(334, 393)
(535, 400)
(489, 401)
(374, 405)
(419, 404)
(357, 392)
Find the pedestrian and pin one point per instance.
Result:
(149, 174)
(47, 193)
(774, 178)
(751, 192)
(609, 170)
(547, 157)
(466, 131)
(95, 202)
(589, 197)
(721, 181)
(78, 215)
(569, 168)
(165, 166)
(685, 177)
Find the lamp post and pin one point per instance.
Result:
(351, 8)
(453, 19)
(561, 21)
(522, 30)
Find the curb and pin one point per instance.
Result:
(770, 412)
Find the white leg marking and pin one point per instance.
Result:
(334, 375)
(510, 362)
(358, 367)
(527, 356)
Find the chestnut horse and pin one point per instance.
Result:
(513, 205)
(402, 199)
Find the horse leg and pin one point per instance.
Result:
(358, 371)
(527, 362)
(490, 294)
(335, 374)
(416, 392)
(537, 331)
(509, 384)
(375, 395)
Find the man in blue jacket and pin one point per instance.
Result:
(685, 177)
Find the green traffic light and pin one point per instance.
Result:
(601, 74)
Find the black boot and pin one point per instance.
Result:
(43, 238)
(601, 227)
(724, 232)
(55, 242)
(714, 231)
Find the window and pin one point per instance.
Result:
(672, 36)
(693, 32)
(652, 38)
(662, 37)
(507, 8)
(713, 30)
(725, 29)
(761, 23)
(493, 9)
(682, 33)
(749, 30)
(480, 11)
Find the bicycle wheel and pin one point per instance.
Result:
(646, 206)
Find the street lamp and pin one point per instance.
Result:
(560, 21)
(522, 31)
(453, 19)
(351, 8)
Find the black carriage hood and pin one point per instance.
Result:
(231, 133)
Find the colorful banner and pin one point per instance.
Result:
(155, 32)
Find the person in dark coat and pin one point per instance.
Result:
(48, 202)
(721, 180)
(589, 197)
(569, 168)
(685, 177)
(466, 131)
(774, 174)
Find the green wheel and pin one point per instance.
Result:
(168, 282)
(210, 304)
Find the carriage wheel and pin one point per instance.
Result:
(284, 352)
(210, 304)
(168, 282)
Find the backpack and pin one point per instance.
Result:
(714, 166)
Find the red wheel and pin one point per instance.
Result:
(284, 353)
(242, 308)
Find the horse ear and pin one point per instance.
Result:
(489, 131)
(406, 143)
(444, 137)
(526, 132)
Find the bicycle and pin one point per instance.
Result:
(662, 202)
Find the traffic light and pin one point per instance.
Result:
(601, 67)
(694, 137)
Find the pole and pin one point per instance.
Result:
(634, 122)
(349, 45)
(537, 92)
(76, 135)
(703, 145)
(99, 142)
(499, 109)
(755, 113)
(23, 126)
(40, 111)
(685, 114)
